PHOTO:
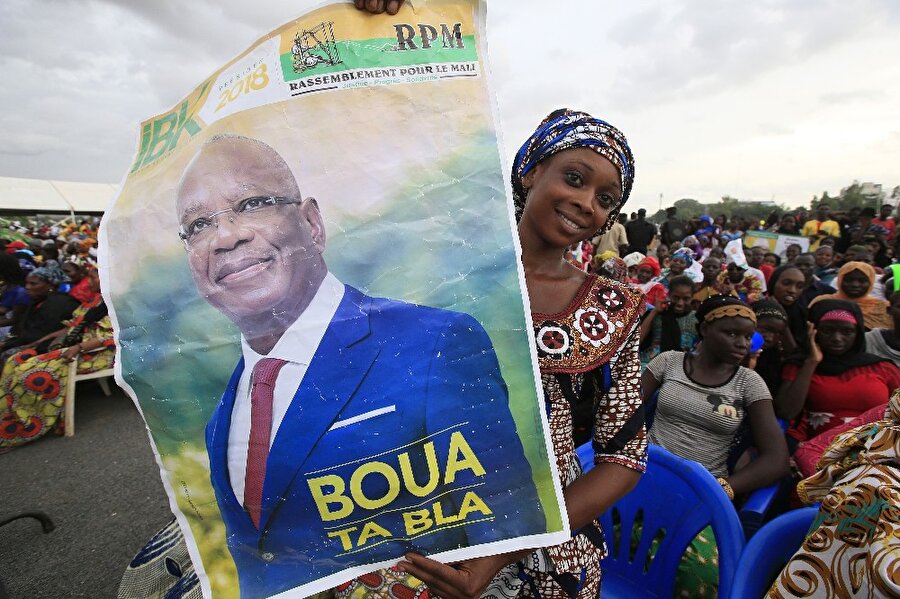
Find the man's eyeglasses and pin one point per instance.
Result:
(245, 211)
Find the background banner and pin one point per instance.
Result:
(777, 243)
(333, 198)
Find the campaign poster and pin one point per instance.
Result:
(777, 243)
(312, 270)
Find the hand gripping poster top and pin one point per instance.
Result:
(313, 274)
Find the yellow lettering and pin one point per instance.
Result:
(434, 473)
(374, 468)
(323, 500)
(439, 518)
(473, 503)
(344, 535)
(372, 530)
(460, 447)
(417, 521)
(260, 78)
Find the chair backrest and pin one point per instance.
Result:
(674, 500)
(769, 550)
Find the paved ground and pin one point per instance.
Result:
(101, 488)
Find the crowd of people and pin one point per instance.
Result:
(742, 353)
(733, 348)
(51, 314)
(805, 320)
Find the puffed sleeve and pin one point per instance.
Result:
(620, 436)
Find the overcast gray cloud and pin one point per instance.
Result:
(718, 97)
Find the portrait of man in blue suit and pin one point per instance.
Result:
(354, 428)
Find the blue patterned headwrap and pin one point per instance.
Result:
(685, 254)
(52, 274)
(564, 129)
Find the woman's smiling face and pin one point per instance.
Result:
(570, 196)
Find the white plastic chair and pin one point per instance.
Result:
(74, 378)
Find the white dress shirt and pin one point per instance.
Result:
(297, 346)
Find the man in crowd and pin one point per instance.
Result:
(673, 229)
(822, 227)
(886, 221)
(616, 239)
(640, 233)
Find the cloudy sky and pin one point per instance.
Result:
(758, 100)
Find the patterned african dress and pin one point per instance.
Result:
(853, 546)
(589, 350)
(33, 386)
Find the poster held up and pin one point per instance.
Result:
(313, 274)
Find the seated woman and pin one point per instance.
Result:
(672, 324)
(837, 381)
(44, 316)
(81, 286)
(857, 538)
(14, 299)
(33, 385)
(778, 342)
(703, 397)
(855, 282)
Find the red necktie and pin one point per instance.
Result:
(264, 374)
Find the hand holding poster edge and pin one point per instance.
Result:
(532, 540)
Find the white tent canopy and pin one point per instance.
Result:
(41, 195)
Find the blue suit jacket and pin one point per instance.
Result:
(388, 378)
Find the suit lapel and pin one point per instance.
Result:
(339, 365)
(217, 441)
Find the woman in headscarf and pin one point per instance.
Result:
(44, 316)
(614, 268)
(737, 280)
(704, 395)
(81, 287)
(33, 383)
(679, 261)
(837, 381)
(707, 227)
(855, 282)
(692, 243)
(569, 180)
(646, 280)
(778, 342)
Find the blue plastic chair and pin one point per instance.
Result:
(759, 504)
(769, 550)
(676, 499)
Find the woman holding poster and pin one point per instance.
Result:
(570, 179)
